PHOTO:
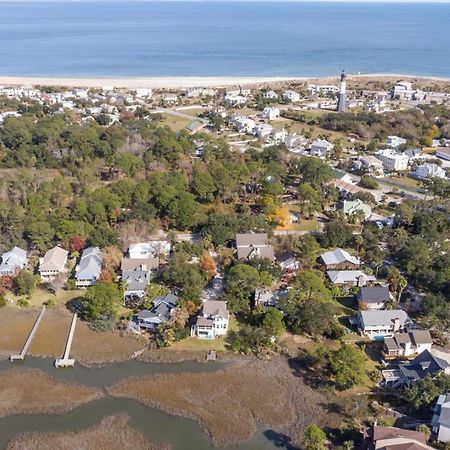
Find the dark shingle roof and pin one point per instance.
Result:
(376, 294)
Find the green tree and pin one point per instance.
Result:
(273, 322)
(241, 283)
(369, 182)
(348, 366)
(25, 282)
(102, 301)
(314, 438)
(336, 234)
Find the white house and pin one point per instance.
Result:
(89, 268)
(53, 263)
(235, 100)
(441, 418)
(407, 344)
(393, 160)
(339, 259)
(278, 136)
(254, 245)
(244, 124)
(371, 164)
(378, 325)
(143, 93)
(149, 249)
(349, 278)
(295, 143)
(395, 141)
(321, 148)
(212, 320)
(356, 207)
(271, 95)
(402, 90)
(13, 261)
(429, 171)
(170, 99)
(262, 130)
(291, 96)
(270, 113)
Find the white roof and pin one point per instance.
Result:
(383, 317)
(338, 256)
(346, 276)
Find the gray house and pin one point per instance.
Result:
(89, 268)
(373, 298)
(135, 282)
(161, 312)
(13, 261)
(254, 245)
(441, 418)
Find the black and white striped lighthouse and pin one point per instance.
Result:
(342, 106)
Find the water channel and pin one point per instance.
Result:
(157, 426)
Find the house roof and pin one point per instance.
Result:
(338, 256)
(16, 257)
(54, 259)
(90, 264)
(444, 413)
(415, 338)
(422, 365)
(248, 239)
(384, 317)
(347, 276)
(214, 308)
(376, 294)
(139, 263)
(382, 433)
(136, 280)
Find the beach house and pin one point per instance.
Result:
(373, 298)
(321, 148)
(53, 263)
(339, 259)
(378, 325)
(393, 160)
(254, 245)
(212, 320)
(441, 418)
(89, 268)
(270, 113)
(407, 344)
(13, 261)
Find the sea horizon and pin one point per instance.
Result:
(195, 38)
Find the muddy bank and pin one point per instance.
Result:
(31, 391)
(112, 433)
(169, 355)
(228, 404)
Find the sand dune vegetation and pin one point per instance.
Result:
(229, 404)
(112, 433)
(31, 391)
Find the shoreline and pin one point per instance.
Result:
(180, 82)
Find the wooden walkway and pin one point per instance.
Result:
(21, 355)
(65, 361)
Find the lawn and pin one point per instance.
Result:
(302, 225)
(39, 296)
(402, 182)
(175, 123)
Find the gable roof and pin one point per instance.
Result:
(347, 276)
(139, 263)
(13, 259)
(214, 308)
(90, 264)
(251, 239)
(444, 411)
(383, 317)
(54, 259)
(338, 256)
(375, 294)
(422, 365)
(415, 338)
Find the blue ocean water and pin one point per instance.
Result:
(212, 38)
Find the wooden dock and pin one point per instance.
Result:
(21, 355)
(65, 361)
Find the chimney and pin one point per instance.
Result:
(396, 324)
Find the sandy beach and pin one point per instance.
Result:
(187, 82)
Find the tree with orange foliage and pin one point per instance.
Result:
(207, 265)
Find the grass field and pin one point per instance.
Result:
(175, 123)
(40, 296)
(31, 391)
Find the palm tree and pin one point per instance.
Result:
(402, 283)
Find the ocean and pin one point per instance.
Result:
(222, 38)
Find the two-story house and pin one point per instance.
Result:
(53, 263)
(378, 325)
(212, 320)
(407, 344)
(373, 298)
(441, 418)
(89, 268)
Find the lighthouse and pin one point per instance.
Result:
(341, 107)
